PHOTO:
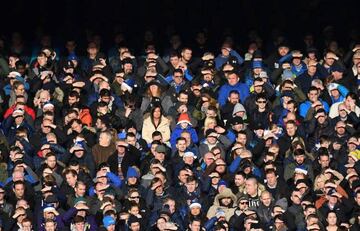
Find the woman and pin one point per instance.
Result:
(332, 221)
(156, 121)
(153, 94)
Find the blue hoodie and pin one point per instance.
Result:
(224, 91)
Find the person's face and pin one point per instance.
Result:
(342, 111)
(76, 127)
(242, 139)
(312, 69)
(134, 226)
(261, 103)
(258, 88)
(195, 211)
(357, 198)
(226, 201)
(19, 190)
(178, 77)
(271, 179)
(42, 60)
(299, 159)
(12, 61)
(189, 160)
(135, 196)
(50, 226)
(220, 166)
(215, 179)
(20, 90)
(233, 79)
(340, 128)
(160, 223)
(181, 145)
(19, 119)
(234, 98)
(331, 219)
(191, 186)
(243, 205)
(183, 175)
(51, 161)
(79, 226)
(313, 95)
(196, 90)
(26, 226)
(239, 180)
(250, 187)
(209, 159)
(72, 100)
(211, 139)
(329, 61)
(183, 98)
(290, 129)
(70, 179)
(225, 52)
(186, 136)
(283, 51)
(291, 107)
(160, 156)
(324, 161)
(266, 199)
(295, 197)
(157, 113)
(120, 149)
(174, 60)
(131, 140)
(279, 224)
(187, 54)
(321, 118)
(296, 61)
(208, 77)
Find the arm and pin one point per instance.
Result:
(235, 164)
(114, 179)
(343, 90)
(239, 58)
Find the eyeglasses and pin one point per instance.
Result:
(178, 76)
(261, 101)
(243, 202)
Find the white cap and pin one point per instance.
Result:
(189, 154)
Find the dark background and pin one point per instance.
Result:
(74, 19)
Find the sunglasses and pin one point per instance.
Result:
(261, 101)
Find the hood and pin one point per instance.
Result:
(226, 193)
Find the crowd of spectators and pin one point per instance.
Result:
(188, 139)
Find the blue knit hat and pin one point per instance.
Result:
(107, 221)
(131, 172)
(257, 64)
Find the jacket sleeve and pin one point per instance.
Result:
(225, 141)
(114, 179)
(239, 58)
(147, 131)
(235, 164)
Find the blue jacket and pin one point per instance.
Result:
(224, 91)
(236, 163)
(220, 60)
(305, 106)
(176, 133)
(343, 92)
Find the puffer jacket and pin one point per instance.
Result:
(229, 211)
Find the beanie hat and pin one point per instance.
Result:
(256, 64)
(238, 108)
(131, 172)
(184, 117)
(108, 220)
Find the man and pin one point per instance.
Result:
(304, 80)
(233, 84)
(274, 185)
(126, 155)
(226, 53)
(313, 102)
